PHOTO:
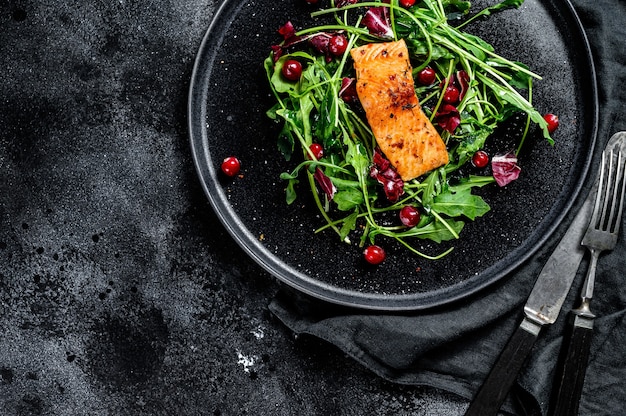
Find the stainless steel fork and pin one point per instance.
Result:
(601, 236)
(607, 214)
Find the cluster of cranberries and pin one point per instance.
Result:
(337, 45)
(451, 95)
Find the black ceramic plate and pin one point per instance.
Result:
(228, 100)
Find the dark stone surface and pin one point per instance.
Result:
(120, 292)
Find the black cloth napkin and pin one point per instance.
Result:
(453, 348)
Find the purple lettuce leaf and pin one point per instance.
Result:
(505, 169)
(448, 118)
(376, 20)
(325, 183)
(383, 172)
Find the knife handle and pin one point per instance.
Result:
(496, 386)
(569, 382)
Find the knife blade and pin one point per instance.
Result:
(542, 308)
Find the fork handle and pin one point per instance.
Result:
(570, 380)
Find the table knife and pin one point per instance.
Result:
(542, 308)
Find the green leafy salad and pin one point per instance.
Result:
(464, 87)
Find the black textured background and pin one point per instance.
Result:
(120, 292)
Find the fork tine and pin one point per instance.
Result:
(596, 207)
(612, 188)
(608, 190)
(619, 196)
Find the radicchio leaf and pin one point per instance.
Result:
(384, 173)
(287, 31)
(462, 81)
(320, 42)
(325, 183)
(376, 20)
(348, 90)
(448, 118)
(277, 52)
(505, 169)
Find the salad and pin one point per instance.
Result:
(464, 88)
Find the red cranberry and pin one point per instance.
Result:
(480, 159)
(374, 254)
(317, 150)
(451, 94)
(553, 122)
(407, 3)
(231, 166)
(409, 216)
(292, 70)
(337, 45)
(426, 76)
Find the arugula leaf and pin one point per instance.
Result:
(439, 232)
(434, 53)
(472, 181)
(358, 158)
(326, 125)
(290, 192)
(286, 142)
(348, 199)
(459, 202)
(349, 224)
(435, 230)
(504, 4)
(434, 185)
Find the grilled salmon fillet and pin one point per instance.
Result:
(386, 90)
